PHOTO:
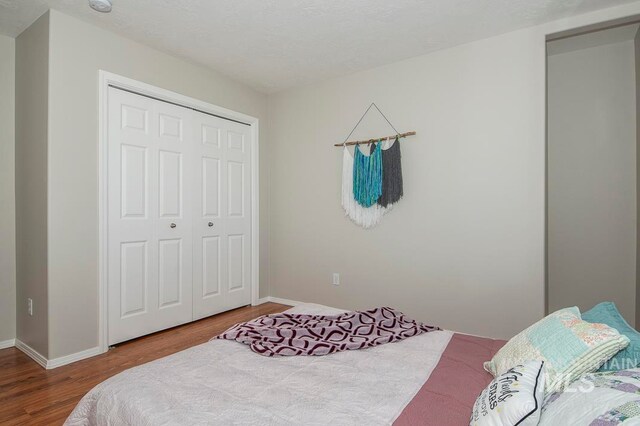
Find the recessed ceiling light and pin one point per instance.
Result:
(103, 6)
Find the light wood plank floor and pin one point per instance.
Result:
(32, 395)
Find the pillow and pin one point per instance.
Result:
(513, 398)
(608, 398)
(607, 313)
(569, 347)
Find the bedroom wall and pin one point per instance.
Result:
(78, 51)
(592, 177)
(7, 190)
(32, 79)
(465, 244)
(465, 247)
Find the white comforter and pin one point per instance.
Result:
(223, 382)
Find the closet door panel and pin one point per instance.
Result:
(132, 250)
(222, 215)
(171, 270)
(170, 188)
(210, 133)
(134, 182)
(210, 168)
(236, 260)
(209, 268)
(174, 219)
(235, 189)
(238, 219)
(133, 278)
(149, 218)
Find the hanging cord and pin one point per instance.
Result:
(373, 104)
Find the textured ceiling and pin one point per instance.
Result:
(276, 44)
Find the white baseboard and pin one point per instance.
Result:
(7, 343)
(56, 362)
(68, 359)
(283, 301)
(31, 353)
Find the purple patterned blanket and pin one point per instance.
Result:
(297, 334)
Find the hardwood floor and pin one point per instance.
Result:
(32, 395)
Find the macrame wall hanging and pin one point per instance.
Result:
(372, 176)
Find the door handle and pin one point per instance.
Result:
(173, 225)
(210, 224)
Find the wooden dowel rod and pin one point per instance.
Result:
(401, 135)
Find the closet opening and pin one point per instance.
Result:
(592, 186)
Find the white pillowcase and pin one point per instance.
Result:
(604, 398)
(512, 398)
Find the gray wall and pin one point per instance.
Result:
(592, 178)
(7, 190)
(464, 248)
(636, 45)
(78, 51)
(32, 79)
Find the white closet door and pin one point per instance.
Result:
(149, 215)
(222, 216)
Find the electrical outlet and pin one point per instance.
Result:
(30, 307)
(336, 278)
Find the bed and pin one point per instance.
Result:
(430, 379)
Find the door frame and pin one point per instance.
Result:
(106, 79)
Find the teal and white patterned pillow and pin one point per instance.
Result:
(607, 313)
(569, 346)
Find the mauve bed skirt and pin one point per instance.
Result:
(447, 397)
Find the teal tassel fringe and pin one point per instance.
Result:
(367, 176)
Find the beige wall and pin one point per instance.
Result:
(465, 248)
(592, 178)
(7, 190)
(78, 51)
(32, 53)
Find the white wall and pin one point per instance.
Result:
(32, 74)
(592, 178)
(78, 51)
(465, 248)
(7, 190)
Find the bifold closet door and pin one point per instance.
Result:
(222, 216)
(149, 215)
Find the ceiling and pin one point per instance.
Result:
(592, 39)
(273, 45)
